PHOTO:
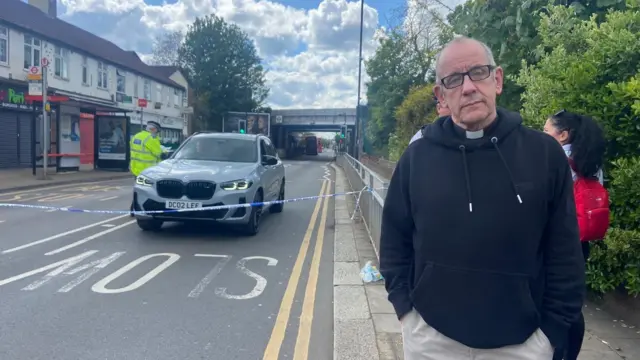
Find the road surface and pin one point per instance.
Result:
(94, 286)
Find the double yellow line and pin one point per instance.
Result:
(303, 339)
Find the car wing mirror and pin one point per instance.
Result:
(269, 160)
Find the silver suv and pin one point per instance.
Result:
(212, 169)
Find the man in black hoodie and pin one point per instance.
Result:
(479, 245)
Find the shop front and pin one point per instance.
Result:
(17, 120)
(171, 134)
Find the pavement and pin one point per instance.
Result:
(94, 286)
(366, 326)
(23, 179)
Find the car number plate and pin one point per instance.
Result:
(183, 205)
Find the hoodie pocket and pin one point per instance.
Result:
(479, 308)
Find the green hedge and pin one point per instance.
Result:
(615, 262)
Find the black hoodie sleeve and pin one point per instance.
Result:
(396, 239)
(564, 262)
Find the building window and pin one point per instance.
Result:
(147, 90)
(32, 52)
(176, 98)
(122, 82)
(103, 72)
(135, 87)
(169, 97)
(61, 63)
(4, 45)
(85, 71)
(184, 98)
(159, 93)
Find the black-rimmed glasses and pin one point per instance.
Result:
(476, 73)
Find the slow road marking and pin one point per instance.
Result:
(272, 352)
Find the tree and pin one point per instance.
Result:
(404, 59)
(417, 109)
(509, 28)
(223, 69)
(166, 47)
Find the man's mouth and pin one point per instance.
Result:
(471, 103)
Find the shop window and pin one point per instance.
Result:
(103, 75)
(32, 51)
(61, 63)
(158, 93)
(4, 45)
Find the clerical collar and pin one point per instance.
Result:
(475, 134)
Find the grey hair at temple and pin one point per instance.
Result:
(458, 39)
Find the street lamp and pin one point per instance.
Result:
(357, 144)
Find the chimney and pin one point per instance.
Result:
(49, 7)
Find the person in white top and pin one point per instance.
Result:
(442, 110)
(584, 143)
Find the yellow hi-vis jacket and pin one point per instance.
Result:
(145, 152)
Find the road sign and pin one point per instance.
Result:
(34, 70)
(142, 102)
(44, 61)
(35, 88)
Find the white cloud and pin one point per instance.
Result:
(312, 55)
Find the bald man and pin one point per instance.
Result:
(479, 244)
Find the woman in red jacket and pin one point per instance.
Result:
(584, 143)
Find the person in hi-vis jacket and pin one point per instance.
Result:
(145, 150)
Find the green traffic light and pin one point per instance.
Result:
(241, 131)
(342, 136)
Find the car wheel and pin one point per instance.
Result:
(277, 208)
(253, 226)
(149, 224)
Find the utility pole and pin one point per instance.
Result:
(45, 121)
(358, 134)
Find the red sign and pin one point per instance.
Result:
(44, 61)
(50, 98)
(142, 103)
(34, 70)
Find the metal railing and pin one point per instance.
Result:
(371, 199)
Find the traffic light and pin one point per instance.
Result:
(343, 131)
(242, 126)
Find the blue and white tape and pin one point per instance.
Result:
(207, 208)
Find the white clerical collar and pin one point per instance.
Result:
(475, 134)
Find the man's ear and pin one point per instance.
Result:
(499, 76)
(437, 91)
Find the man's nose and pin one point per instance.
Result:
(468, 85)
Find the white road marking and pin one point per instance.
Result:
(261, 283)
(108, 225)
(100, 286)
(59, 267)
(42, 241)
(211, 275)
(109, 198)
(89, 238)
(95, 265)
(1, 221)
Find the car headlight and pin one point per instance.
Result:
(236, 185)
(144, 181)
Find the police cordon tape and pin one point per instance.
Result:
(204, 208)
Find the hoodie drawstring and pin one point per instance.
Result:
(466, 175)
(494, 141)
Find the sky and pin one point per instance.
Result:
(310, 47)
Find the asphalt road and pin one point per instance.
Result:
(94, 286)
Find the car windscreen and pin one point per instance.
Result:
(218, 149)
